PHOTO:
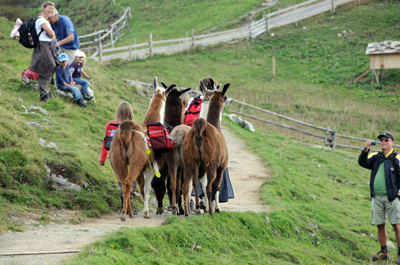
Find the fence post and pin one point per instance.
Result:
(333, 6)
(193, 45)
(250, 28)
(273, 66)
(330, 138)
(130, 52)
(89, 51)
(151, 45)
(100, 48)
(135, 49)
(112, 37)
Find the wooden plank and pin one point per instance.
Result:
(384, 61)
(40, 253)
(363, 73)
(280, 125)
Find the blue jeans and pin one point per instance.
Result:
(85, 84)
(73, 90)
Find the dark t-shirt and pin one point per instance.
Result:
(76, 70)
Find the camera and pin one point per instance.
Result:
(373, 142)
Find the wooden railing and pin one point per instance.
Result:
(269, 21)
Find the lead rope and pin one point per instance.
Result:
(155, 165)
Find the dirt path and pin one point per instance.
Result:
(246, 173)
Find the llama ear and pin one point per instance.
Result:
(212, 83)
(184, 90)
(164, 85)
(216, 88)
(169, 88)
(202, 87)
(155, 85)
(226, 86)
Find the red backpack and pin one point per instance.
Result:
(159, 136)
(111, 128)
(193, 111)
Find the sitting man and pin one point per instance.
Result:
(65, 82)
(67, 38)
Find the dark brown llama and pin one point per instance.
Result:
(205, 150)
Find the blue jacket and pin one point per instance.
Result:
(372, 161)
(62, 29)
(63, 75)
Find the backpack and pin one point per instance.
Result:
(27, 31)
(159, 136)
(108, 138)
(193, 111)
(30, 74)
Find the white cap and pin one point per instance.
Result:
(80, 53)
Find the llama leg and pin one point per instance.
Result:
(179, 182)
(148, 177)
(125, 190)
(217, 187)
(203, 182)
(186, 186)
(172, 172)
(158, 185)
(210, 179)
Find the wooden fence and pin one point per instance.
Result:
(330, 137)
(106, 37)
(276, 19)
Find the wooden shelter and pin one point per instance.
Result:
(382, 55)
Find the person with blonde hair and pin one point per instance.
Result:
(44, 55)
(76, 70)
(123, 112)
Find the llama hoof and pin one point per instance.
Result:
(132, 216)
(160, 211)
(187, 214)
(147, 216)
(123, 218)
(174, 211)
(181, 211)
(198, 211)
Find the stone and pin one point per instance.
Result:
(37, 109)
(85, 184)
(312, 225)
(137, 85)
(59, 181)
(267, 219)
(42, 142)
(313, 197)
(245, 124)
(25, 80)
(391, 245)
(85, 144)
(46, 167)
(35, 86)
(154, 201)
(72, 186)
(272, 34)
(40, 227)
(304, 27)
(33, 124)
(339, 35)
(52, 145)
(2, 238)
(66, 227)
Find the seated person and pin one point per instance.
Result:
(76, 69)
(65, 82)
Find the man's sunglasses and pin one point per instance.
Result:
(385, 140)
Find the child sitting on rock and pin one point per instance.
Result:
(65, 82)
(76, 70)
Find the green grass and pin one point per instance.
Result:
(314, 67)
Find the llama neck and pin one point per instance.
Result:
(214, 115)
(155, 113)
(204, 109)
(173, 113)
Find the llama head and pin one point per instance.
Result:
(219, 96)
(157, 87)
(174, 94)
(208, 84)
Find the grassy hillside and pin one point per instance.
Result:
(22, 159)
(318, 199)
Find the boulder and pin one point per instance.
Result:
(37, 109)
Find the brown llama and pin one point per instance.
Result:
(173, 111)
(205, 150)
(129, 148)
(175, 157)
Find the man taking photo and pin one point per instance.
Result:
(384, 188)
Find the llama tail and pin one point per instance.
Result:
(125, 132)
(199, 125)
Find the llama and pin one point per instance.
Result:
(178, 134)
(173, 111)
(128, 150)
(205, 150)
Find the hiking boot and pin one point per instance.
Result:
(81, 102)
(87, 96)
(46, 97)
(381, 255)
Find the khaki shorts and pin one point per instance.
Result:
(70, 53)
(382, 207)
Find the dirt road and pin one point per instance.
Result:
(42, 244)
